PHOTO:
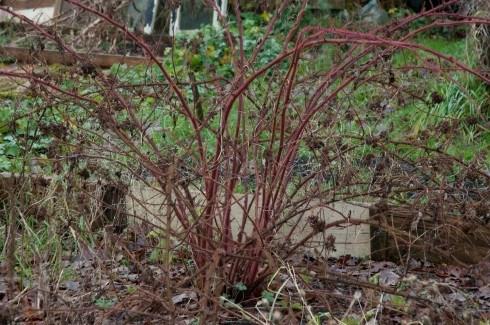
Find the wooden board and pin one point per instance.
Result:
(43, 197)
(146, 203)
(328, 4)
(39, 11)
(454, 241)
(28, 4)
(24, 55)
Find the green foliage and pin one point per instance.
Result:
(207, 51)
(39, 244)
(454, 122)
(131, 289)
(104, 303)
(68, 274)
(351, 320)
(206, 54)
(450, 115)
(20, 136)
(398, 301)
(240, 286)
(451, 47)
(307, 278)
(269, 296)
(159, 253)
(320, 318)
(374, 279)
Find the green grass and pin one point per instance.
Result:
(456, 48)
(461, 105)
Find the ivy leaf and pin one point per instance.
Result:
(5, 164)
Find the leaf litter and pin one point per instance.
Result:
(121, 290)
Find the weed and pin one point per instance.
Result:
(104, 303)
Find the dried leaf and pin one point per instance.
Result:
(388, 278)
(184, 297)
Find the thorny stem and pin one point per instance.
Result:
(206, 217)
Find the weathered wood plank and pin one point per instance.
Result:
(25, 55)
(28, 4)
(44, 196)
(145, 202)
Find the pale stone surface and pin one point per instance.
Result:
(145, 203)
(38, 15)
